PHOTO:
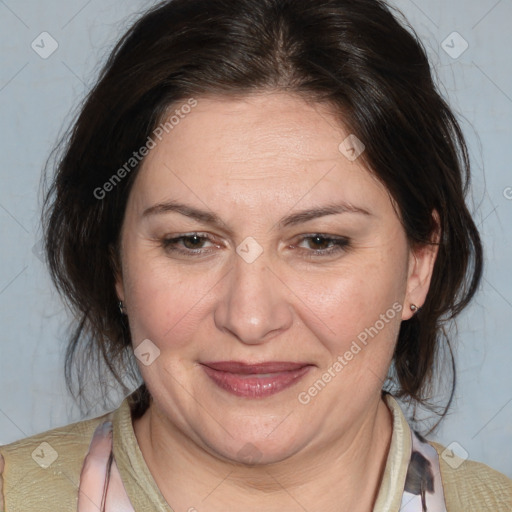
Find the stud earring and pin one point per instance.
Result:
(414, 308)
(121, 308)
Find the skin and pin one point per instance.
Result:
(253, 161)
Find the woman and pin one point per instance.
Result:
(262, 205)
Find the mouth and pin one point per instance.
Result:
(255, 380)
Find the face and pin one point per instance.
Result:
(265, 276)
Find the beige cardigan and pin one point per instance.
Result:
(28, 486)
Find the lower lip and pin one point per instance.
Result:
(254, 386)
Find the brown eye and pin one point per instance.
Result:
(323, 245)
(192, 244)
(319, 242)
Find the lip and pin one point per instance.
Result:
(255, 380)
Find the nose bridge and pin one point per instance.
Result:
(253, 306)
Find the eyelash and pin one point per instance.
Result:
(340, 244)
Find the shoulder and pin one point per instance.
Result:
(45, 464)
(472, 486)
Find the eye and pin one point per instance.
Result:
(189, 244)
(323, 245)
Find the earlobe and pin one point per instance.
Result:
(422, 259)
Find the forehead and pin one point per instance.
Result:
(261, 126)
(265, 147)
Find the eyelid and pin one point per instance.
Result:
(337, 244)
(170, 241)
(326, 236)
(190, 234)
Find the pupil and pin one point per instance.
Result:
(318, 240)
(193, 240)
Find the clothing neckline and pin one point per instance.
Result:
(144, 493)
(139, 483)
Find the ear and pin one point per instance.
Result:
(115, 264)
(421, 266)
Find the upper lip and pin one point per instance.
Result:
(254, 368)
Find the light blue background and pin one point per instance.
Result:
(36, 98)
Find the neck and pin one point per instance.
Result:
(342, 472)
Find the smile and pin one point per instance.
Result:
(255, 380)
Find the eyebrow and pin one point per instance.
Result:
(290, 220)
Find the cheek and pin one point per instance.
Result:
(360, 303)
(166, 302)
(363, 352)
(348, 301)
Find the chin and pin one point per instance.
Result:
(257, 453)
(256, 448)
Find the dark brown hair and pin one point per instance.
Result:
(354, 56)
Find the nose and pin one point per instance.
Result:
(253, 306)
